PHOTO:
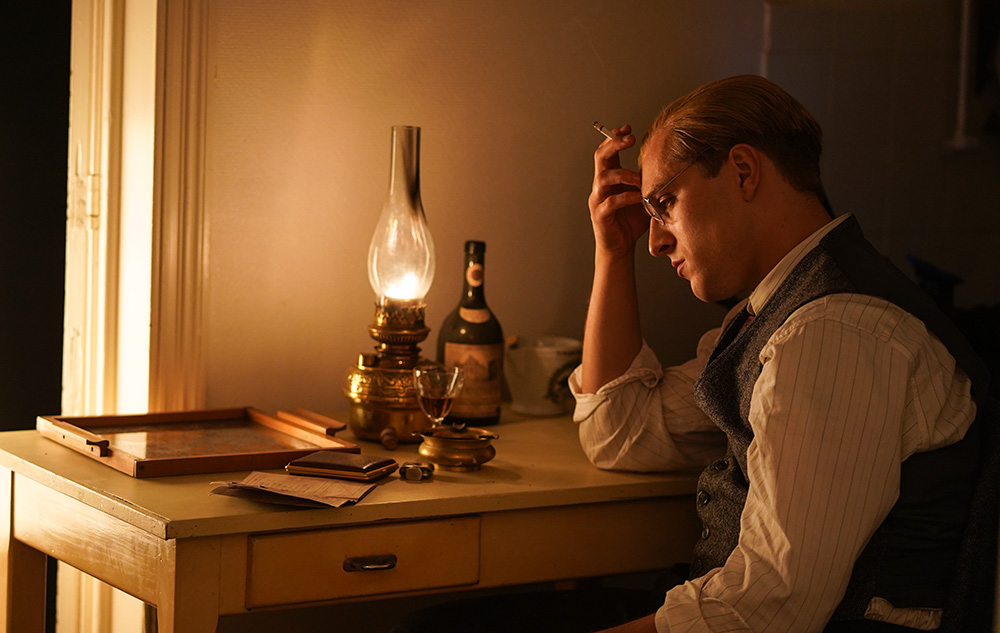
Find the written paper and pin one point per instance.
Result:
(294, 489)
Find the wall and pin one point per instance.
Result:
(300, 105)
(882, 78)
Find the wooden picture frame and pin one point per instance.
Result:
(194, 442)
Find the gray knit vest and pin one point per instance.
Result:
(910, 558)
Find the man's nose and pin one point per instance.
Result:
(661, 240)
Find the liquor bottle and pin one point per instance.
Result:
(471, 337)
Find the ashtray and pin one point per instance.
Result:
(457, 449)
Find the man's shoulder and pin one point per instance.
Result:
(862, 314)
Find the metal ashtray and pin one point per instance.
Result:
(457, 449)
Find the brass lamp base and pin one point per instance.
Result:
(380, 387)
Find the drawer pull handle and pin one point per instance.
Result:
(380, 562)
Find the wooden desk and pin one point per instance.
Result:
(538, 512)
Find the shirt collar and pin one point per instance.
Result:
(770, 283)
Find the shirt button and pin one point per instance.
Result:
(722, 464)
(703, 497)
(696, 566)
(705, 532)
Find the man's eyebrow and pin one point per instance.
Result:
(657, 188)
(662, 186)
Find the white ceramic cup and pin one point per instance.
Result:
(537, 370)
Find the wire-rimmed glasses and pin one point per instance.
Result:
(653, 207)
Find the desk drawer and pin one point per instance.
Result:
(312, 566)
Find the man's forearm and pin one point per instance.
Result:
(612, 337)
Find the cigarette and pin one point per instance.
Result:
(603, 130)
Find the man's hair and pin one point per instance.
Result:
(708, 122)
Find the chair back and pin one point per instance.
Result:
(971, 598)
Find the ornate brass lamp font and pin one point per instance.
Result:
(400, 269)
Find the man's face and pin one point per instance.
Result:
(705, 231)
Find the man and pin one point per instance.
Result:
(833, 407)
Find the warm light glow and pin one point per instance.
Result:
(401, 255)
(135, 257)
(406, 288)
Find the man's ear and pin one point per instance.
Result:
(745, 159)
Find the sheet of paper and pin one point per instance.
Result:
(330, 492)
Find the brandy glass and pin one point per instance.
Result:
(437, 387)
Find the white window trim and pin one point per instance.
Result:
(117, 181)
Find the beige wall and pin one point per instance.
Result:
(301, 100)
(302, 96)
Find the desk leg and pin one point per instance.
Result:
(22, 571)
(188, 586)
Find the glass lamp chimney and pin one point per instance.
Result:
(401, 254)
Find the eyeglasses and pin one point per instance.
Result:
(655, 208)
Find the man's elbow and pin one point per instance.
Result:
(600, 460)
(610, 457)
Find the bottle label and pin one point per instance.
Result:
(474, 275)
(474, 316)
(482, 366)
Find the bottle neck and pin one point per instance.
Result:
(473, 288)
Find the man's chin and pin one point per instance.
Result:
(702, 297)
(707, 295)
(700, 292)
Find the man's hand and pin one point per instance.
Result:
(612, 337)
(615, 201)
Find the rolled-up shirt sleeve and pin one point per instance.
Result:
(646, 419)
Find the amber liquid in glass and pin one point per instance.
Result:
(436, 408)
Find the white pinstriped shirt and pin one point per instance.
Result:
(874, 385)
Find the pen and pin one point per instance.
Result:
(603, 130)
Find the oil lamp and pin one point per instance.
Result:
(400, 269)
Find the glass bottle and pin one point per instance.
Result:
(471, 337)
